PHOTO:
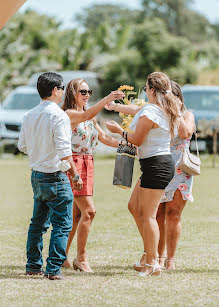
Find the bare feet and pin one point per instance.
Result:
(66, 264)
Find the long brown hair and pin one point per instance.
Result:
(72, 89)
(178, 93)
(164, 96)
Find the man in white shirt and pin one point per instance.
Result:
(46, 138)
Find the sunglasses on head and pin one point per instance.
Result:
(62, 87)
(85, 92)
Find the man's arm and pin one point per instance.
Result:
(21, 142)
(62, 139)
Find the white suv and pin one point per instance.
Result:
(12, 112)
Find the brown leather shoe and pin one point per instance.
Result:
(55, 277)
(34, 273)
(82, 266)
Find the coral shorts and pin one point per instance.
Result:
(85, 168)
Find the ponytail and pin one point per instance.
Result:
(165, 98)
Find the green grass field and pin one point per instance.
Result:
(114, 245)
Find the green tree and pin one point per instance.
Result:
(179, 17)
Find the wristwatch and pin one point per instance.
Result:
(75, 178)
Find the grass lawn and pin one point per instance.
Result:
(114, 245)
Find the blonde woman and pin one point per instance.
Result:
(153, 126)
(85, 135)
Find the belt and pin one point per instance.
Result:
(55, 173)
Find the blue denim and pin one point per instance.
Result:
(53, 200)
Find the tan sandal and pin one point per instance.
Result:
(170, 261)
(82, 266)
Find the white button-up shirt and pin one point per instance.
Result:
(46, 136)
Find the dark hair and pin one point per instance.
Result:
(178, 93)
(46, 83)
(72, 89)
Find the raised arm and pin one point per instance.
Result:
(126, 109)
(186, 125)
(77, 117)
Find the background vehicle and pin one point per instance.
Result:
(12, 112)
(204, 103)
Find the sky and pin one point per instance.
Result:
(65, 10)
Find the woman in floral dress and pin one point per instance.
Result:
(178, 191)
(85, 135)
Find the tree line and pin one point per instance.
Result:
(123, 45)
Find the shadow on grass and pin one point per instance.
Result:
(106, 270)
(14, 272)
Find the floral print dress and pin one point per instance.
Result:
(181, 181)
(84, 138)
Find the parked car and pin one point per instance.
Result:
(12, 112)
(204, 103)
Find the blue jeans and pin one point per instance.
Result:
(53, 200)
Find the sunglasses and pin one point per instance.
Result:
(85, 92)
(62, 87)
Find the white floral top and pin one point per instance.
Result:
(84, 138)
(181, 181)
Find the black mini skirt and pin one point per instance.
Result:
(157, 171)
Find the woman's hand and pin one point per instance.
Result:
(113, 127)
(115, 95)
(110, 106)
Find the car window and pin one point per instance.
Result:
(207, 100)
(21, 101)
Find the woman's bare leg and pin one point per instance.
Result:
(86, 206)
(161, 223)
(174, 210)
(133, 206)
(149, 200)
(76, 218)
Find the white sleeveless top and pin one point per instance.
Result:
(157, 142)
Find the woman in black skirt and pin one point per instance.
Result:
(153, 126)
